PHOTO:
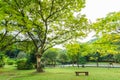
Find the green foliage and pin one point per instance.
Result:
(107, 24)
(95, 56)
(32, 58)
(106, 44)
(26, 47)
(22, 64)
(62, 57)
(45, 22)
(32, 18)
(117, 57)
(26, 61)
(10, 61)
(82, 60)
(73, 51)
(76, 50)
(21, 55)
(107, 28)
(2, 62)
(50, 56)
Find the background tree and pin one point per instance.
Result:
(50, 56)
(76, 51)
(107, 29)
(105, 45)
(110, 23)
(62, 57)
(117, 58)
(73, 52)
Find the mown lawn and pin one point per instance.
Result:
(66, 73)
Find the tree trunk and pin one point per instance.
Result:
(73, 64)
(78, 65)
(39, 67)
(83, 65)
(97, 63)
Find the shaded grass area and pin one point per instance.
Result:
(66, 73)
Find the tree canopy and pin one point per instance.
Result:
(110, 23)
(45, 22)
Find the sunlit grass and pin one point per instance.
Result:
(66, 73)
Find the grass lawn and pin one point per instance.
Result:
(67, 73)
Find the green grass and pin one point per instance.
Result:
(66, 73)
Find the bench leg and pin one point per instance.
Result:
(77, 74)
(86, 74)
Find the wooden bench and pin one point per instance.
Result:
(78, 72)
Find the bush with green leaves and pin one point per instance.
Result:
(2, 63)
(10, 61)
(21, 55)
(24, 64)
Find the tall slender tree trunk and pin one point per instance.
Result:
(73, 64)
(78, 65)
(97, 63)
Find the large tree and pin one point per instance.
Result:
(46, 22)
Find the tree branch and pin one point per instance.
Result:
(16, 35)
(39, 30)
(56, 43)
(41, 14)
(32, 40)
(57, 10)
(2, 38)
(51, 7)
(58, 36)
(5, 46)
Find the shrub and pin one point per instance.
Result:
(10, 62)
(21, 55)
(23, 64)
(2, 63)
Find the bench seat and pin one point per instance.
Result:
(79, 72)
